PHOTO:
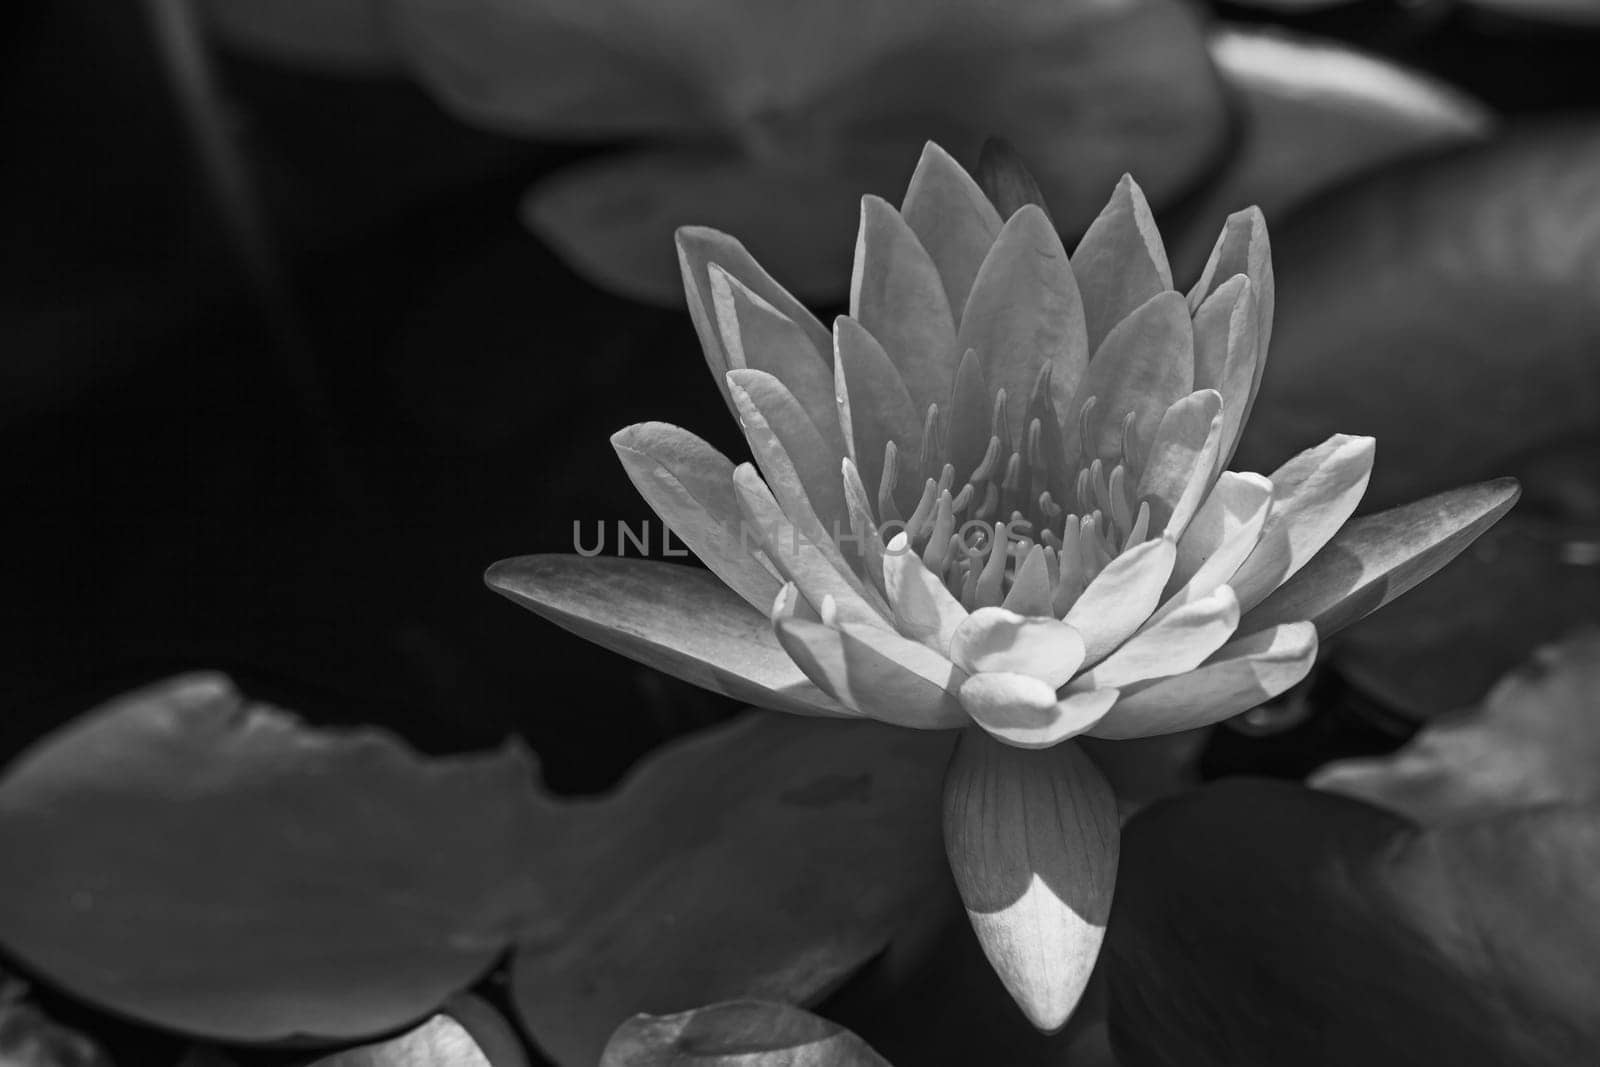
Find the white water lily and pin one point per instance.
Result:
(996, 494)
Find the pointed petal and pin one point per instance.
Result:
(803, 553)
(1221, 537)
(874, 405)
(1121, 262)
(877, 673)
(1244, 673)
(1227, 351)
(1021, 710)
(1024, 311)
(866, 540)
(1145, 365)
(1030, 587)
(759, 336)
(923, 608)
(690, 485)
(952, 218)
(1121, 597)
(1033, 840)
(1183, 457)
(698, 248)
(897, 294)
(1243, 248)
(971, 418)
(797, 463)
(1376, 558)
(1171, 645)
(994, 639)
(1312, 496)
(680, 620)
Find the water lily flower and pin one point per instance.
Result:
(994, 497)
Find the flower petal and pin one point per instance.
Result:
(874, 407)
(1227, 350)
(866, 540)
(1178, 642)
(1021, 710)
(923, 608)
(1374, 559)
(952, 218)
(1145, 365)
(1120, 263)
(897, 295)
(994, 639)
(1221, 537)
(1243, 248)
(971, 419)
(1121, 597)
(759, 336)
(877, 672)
(1025, 311)
(1244, 673)
(1312, 496)
(1182, 460)
(1031, 591)
(698, 248)
(803, 552)
(680, 620)
(798, 464)
(1033, 840)
(690, 485)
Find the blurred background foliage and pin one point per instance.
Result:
(274, 397)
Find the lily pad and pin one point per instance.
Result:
(1313, 113)
(341, 36)
(749, 1033)
(1084, 90)
(1534, 740)
(767, 859)
(211, 865)
(1445, 307)
(1260, 924)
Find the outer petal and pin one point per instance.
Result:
(874, 407)
(1243, 248)
(1021, 710)
(1376, 558)
(1178, 642)
(690, 485)
(1178, 473)
(923, 608)
(698, 248)
(897, 294)
(1025, 311)
(1243, 673)
(680, 620)
(1312, 496)
(994, 639)
(1222, 536)
(877, 673)
(1033, 839)
(1145, 365)
(952, 218)
(799, 466)
(1121, 262)
(755, 334)
(803, 553)
(1121, 597)
(1228, 353)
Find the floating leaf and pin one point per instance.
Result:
(1416, 303)
(1535, 739)
(766, 859)
(749, 1033)
(207, 864)
(1084, 90)
(1260, 924)
(1314, 113)
(337, 35)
